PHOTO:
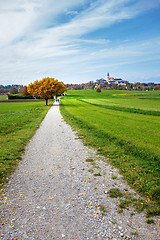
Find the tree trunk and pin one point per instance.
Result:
(47, 102)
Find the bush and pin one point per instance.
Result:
(98, 89)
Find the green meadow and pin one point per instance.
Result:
(3, 97)
(18, 123)
(124, 126)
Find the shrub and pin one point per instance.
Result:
(98, 89)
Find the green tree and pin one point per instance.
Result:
(13, 90)
(1, 90)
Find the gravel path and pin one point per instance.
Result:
(52, 195)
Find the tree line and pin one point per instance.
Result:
(105, 85)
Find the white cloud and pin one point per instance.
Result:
(36, 40)
(71, 12)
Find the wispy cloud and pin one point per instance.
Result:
(41, 36)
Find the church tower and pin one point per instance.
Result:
(107, 76)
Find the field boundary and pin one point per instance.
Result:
(23, 100)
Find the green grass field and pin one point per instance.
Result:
(125, 127)
(3, 97)
(18, 123)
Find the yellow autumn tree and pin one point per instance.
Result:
(46, 88)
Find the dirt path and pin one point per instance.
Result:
(52, 195)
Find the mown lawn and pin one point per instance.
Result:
(18, 123)
(128, 134)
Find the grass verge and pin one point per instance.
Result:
(18, 123)
(140, 168)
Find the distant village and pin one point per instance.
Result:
(109, 83)
(114, 83)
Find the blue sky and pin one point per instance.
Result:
(79, 41)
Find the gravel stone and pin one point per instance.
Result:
(52, 195)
